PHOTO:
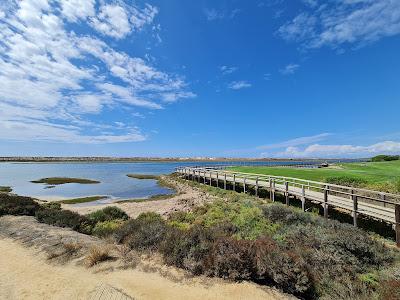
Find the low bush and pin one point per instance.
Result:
(379, 158)
(187, 248)
(230, 258)
(65, 218)
(108, 213)
(143, 233)
(279, 213)
(106, 228)
(17, 205)
(285, 268)
(246, 216)
(52, 205)
(347, 181)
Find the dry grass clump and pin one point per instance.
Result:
(97, 254)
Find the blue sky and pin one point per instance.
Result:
(306, 78)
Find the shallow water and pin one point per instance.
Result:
(112, 176)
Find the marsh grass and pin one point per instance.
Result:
(82, 200)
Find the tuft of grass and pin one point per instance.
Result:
(82, 200)
(63, 180)
(5, 189)
(143, 176)
(97, 255)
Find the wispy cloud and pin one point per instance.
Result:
(213, 14)
(305, 140)
(53, 78)
(289, 69)
(225, 70)
(238, 85)
(341, 22)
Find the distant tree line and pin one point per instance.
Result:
(385, 158)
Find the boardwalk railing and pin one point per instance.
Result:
(378, 205)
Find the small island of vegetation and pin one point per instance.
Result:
(63, 180)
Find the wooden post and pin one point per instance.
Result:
(355, 208)
(234, 182)
(270, 188)
(287, 192)
(325, 202)
(210, 179)
(257, 186)
(204, 176)
(193, 175)
(273, 190)
(303, 198)
(383, 197)
(225, 181)
(244, 185)
(217, 180)
(397, 225)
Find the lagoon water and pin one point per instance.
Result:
(112, 176)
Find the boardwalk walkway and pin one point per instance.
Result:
(377, 205)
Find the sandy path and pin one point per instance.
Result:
(25, 274)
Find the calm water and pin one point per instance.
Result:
(114, 182)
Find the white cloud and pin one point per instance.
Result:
(238, 85)
(317, 150)
(225, 70)
(113, 21)
(296, 142)
(52, 77)
(77, 9)
(354, 22)
(289, 69)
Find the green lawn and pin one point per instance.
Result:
(372, 172)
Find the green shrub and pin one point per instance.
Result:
(187, 248)
(108, 213)
(379, 158)
(143, 233)
(17, 205)
(279, 213)
(285, 268)
(229, 258)
(106, 228)
(247, 217)
(52, 205)
(347, 181)
(65, 218)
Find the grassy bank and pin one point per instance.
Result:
(82, 200)
(5, 189)
(63, 180)
(384, 176)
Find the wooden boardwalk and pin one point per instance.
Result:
(381, 206)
